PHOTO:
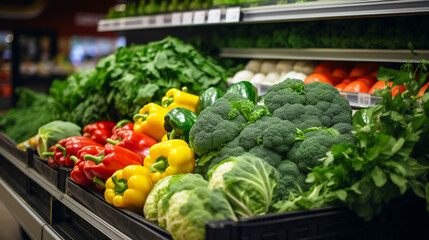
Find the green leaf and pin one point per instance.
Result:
(355, 187)
(399, 181)
(403, 77)
(418, 188)
(145, 94)
(341, 194)
(396, 116)
(385, 74)
(398, 145)
(378, 176)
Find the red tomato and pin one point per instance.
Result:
(325, 67)
(368, 80)
(374, 73)
(349, 79)
(341, 86)
(342, 71)
(362, 69)
(320, 77)
(382, 85)
(357, 86)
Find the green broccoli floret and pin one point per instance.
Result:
(215, 125)
(302, 116)
(312, 105)
(291, 179)
(317, 143)
(289, 91)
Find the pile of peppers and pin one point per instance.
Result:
(127, 158)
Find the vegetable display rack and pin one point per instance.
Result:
(401, 219)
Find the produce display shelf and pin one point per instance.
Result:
(333, 54)
(270, 13)
(400, 218)
(100, 224)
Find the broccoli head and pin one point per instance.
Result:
(313, 105)
(294, 129)
(216, 126)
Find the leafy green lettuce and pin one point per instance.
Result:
(248, 182)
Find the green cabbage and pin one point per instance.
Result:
(188, 211)
(248, 182)
(51, 133)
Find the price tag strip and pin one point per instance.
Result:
(176, 18)
(199, 17)
(214, 16)
(188, 17)
(232, 14)
(159, 20)
(364, 99)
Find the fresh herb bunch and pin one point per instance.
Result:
(388, 159)
(32, 111)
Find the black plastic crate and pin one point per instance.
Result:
(130, 223)
(401, 219)
(56, 176)
(10, 146)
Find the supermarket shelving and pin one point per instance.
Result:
(274, 13)
(34, 224)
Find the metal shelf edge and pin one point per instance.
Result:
(323, 10)
(29, 220)
(338, 54)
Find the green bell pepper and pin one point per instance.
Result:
(178, 122)
(245, 89)
(207, 98)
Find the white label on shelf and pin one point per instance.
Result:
(232, 14)
(199, 17)
(176, 18)
(364, 99)
(159, 20)
(145, 21)
(187, 18)
(214, 16)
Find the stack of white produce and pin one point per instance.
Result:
(268, 72)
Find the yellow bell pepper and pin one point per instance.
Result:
(150, 121)
(169, 158)
(129, 187)
(175, 98)
(164, 138)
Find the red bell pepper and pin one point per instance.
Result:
(67, 147)
(99, 131)
(133, 141)
(124, 124)
(85, 166)
(111, 159)
(77, 174)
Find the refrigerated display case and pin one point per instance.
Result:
(75, 212)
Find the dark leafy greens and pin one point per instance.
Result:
(32, 111)
(123, 82)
